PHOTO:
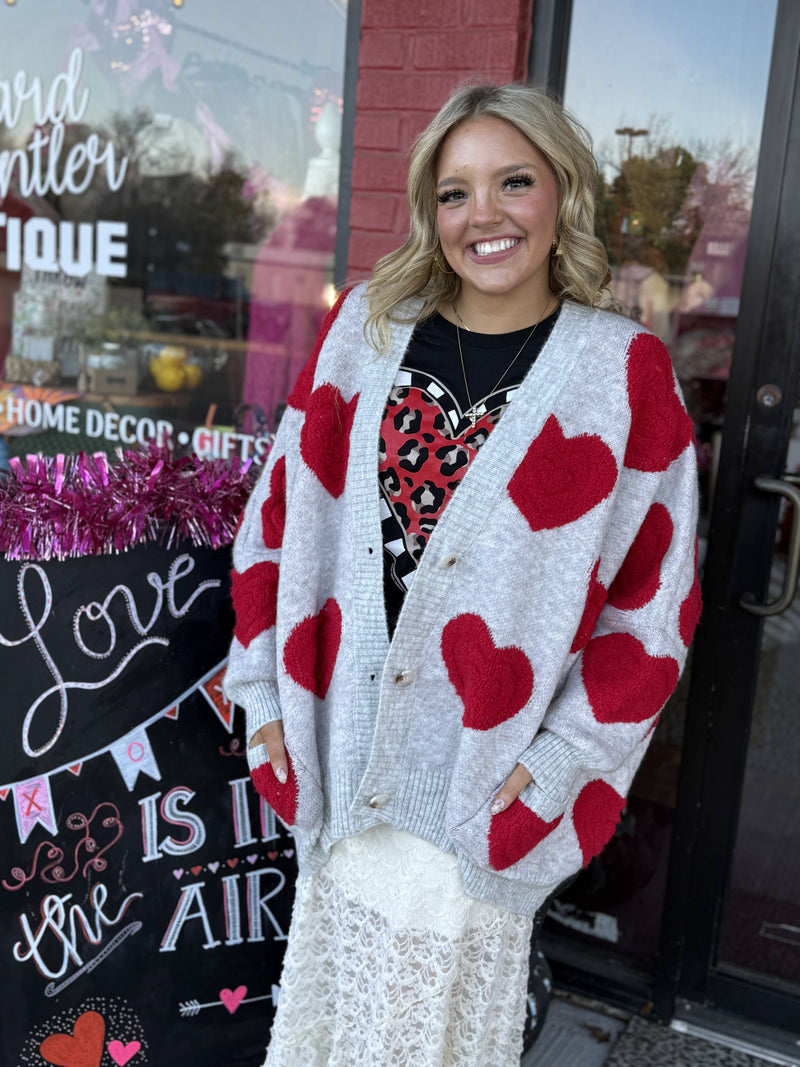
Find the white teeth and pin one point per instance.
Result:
(485, 248)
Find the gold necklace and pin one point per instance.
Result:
(472, 412)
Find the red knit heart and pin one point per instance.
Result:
(273, 510)
(82, 1048)
(281, 797)
(562, 478)
(493, 683)
(311, 648)
(298, 398)
(660, 428)
(325, 437)
(595, 815)
(691, 607)
(513, 833)
(624, 683)
(595, 600)
(255, 599)
(639, 578)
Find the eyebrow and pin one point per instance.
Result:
(495, 174)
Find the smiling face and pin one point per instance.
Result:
(496, 217)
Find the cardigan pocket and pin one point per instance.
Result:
(298, 801)
(516, 842)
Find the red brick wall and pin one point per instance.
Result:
(413, 54)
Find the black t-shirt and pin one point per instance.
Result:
(427, 440)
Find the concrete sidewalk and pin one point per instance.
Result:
(577, 1035)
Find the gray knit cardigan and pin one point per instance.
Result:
(548, 621)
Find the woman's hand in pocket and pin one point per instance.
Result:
(511, 789)
(271, 735)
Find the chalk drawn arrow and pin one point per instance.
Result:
(190, 1008)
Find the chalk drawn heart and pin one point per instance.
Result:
(196, 870)
(660, 428)
(311, 648)
(122, 1054)
(325, 436)
(493, 683)
(513, 833)
(252, 858)
(232, 863)
(289, 852)
(82, 1048)
(272, 855)
(232, 998)
(562, 478)
(177, 872)
(214, 867)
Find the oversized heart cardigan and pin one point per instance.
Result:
(548, 621)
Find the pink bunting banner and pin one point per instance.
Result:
(34, 805)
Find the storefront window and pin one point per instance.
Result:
(168, 181)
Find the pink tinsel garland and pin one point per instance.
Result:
(61, 507)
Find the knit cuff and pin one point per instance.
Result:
(260, 703)
(540, 803)
(553, 763)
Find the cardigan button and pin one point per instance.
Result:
(380, 800)
(403, 678)
(447, 561)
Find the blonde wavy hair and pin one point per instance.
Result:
(580, 271)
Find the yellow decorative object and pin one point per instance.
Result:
(173, 354)
(171, 370)
(169, 377)
(192, 375)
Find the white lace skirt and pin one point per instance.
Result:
(390, 964)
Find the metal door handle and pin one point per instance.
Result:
(785, 487)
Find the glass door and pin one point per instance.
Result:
(736, 864)
(693, 116)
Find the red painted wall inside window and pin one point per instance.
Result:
(412, 55)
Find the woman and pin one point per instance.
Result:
(448, 692)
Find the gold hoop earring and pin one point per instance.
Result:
(439, 266)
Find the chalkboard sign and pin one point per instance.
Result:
(145, 888)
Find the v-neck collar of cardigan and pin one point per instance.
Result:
(473, 504)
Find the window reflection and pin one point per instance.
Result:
(168, 182)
